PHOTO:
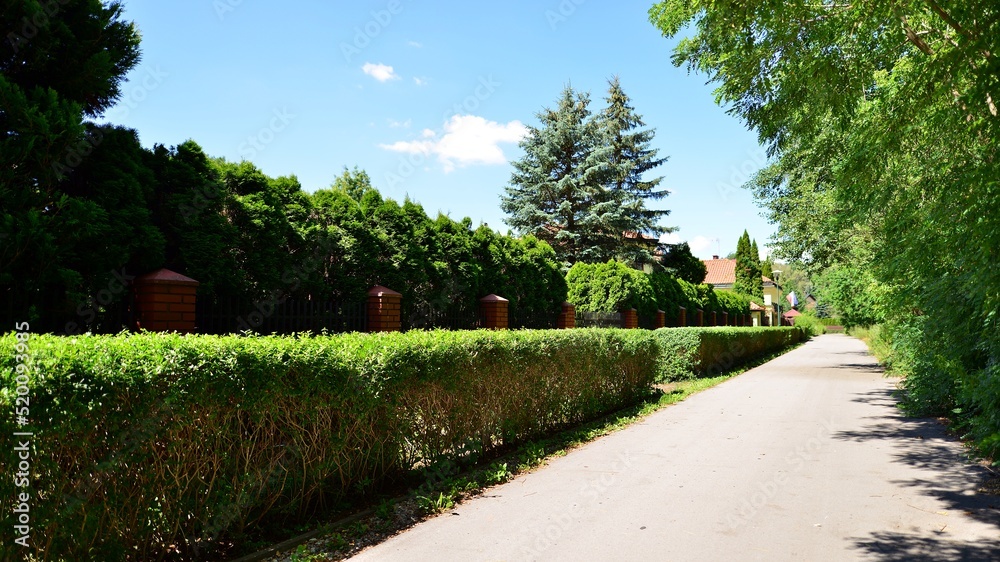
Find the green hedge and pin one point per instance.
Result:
(613, 286)
(149, 440)
(691, 352)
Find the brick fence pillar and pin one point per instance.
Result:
(567, 317)
(384, 310)
(630, 319)
(725, 318)
(493, 311)
(681, 316)
(661, 319)
(712, 319)
(165, 301)
(700, 318)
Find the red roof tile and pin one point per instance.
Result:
(720, 272)
(723, 272)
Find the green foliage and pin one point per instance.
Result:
(900, 206)
(854, 295)
(699, 352)
(156, 439)
(811, 324)
(748, 270)
(678, 261)
(580, 185)
(59, 63)
(613, 286)
(610, 287)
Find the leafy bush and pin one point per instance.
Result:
(613, 286)
(148, 440)
(610, 287)
(691, 352)
(813, 325)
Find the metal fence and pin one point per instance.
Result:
(278, 316)
(429, 316)
(531, 320)
(104, 314)
(598, 319)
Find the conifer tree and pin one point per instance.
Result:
(748, 276)
(557, 191)
(580, 184)
(630, 158)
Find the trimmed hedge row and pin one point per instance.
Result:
(692, 352)
(147, 440)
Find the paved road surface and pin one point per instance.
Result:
(804, 458)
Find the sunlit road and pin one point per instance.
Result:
(803, 458)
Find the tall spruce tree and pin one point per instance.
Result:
(557, 191)
(630, 158)
(580, 184)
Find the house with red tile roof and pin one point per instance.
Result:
(721, 274)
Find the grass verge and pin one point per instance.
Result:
(439, 488)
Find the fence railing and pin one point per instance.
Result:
(598, 319)
(278, 316)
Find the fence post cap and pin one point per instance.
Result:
(164, 275)
(380, 291)
(493, 298)
(567, 304)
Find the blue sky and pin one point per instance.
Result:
(429, 100)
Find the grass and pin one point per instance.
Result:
(446, 485)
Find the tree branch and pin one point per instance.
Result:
(911, 35)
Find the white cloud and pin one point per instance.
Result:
(671, 238)
(466, 140)
(400, 124)
(700, 244)
(380, 72)
(415, 44)
(419, 81)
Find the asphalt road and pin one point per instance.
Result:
(803, 458)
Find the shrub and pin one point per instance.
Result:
(613, 286)
(811, 324)
(691, 352)
(148, 440)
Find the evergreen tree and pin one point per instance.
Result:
(59, 62)
(629, 160)
(748, 280)
(580, 184)
(557, 192)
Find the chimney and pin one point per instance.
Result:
(715, 257)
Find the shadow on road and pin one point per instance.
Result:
(902, 547)
(947, 475)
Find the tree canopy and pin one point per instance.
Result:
(881, 120)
